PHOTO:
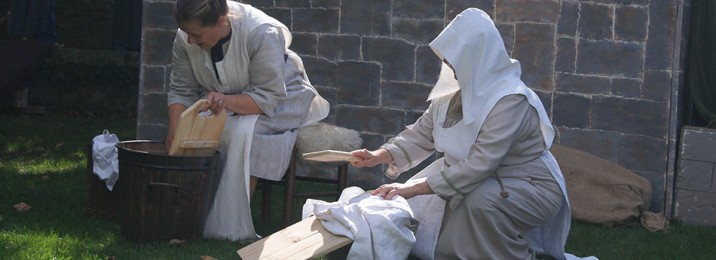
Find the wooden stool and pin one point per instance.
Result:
(290, 192)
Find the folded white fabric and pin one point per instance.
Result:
(105, 163)
(379, 228)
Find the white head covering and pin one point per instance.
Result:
(485, 72)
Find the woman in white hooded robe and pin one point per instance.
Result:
(497, 193)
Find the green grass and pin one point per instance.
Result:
(43, 163)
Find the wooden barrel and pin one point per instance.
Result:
(163, 197)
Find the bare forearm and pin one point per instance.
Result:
(242, 104)
(174, 111)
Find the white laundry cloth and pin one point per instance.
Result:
(105, 163)
(379, 228)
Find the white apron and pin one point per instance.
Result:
(233, 222)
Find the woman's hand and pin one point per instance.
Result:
(406, 190)
(371, 158)
(215, 102)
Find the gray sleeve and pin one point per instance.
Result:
(411, 146)
(266, 49)
(498, 135)
(183, 88)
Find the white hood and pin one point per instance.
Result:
(485, 72)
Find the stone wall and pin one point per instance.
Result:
(608, 71)
(695, 201)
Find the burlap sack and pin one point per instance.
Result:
(603, 192)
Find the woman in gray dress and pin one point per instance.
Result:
(497, 193)
(237, 58)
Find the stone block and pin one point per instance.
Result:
(657, 85)
(644, 153)
(566, 55)
(625, 87)
(695, 207)
(427, 65)
(331, 95)
(630, 23)
(568, 19)
(546, 99)
(154, 109)
(404, 95)
(535, 49)
(595, 21)
(660, 42)
(583, 84)
(151, 132)
(619, 59)
(159, 16)
(154, 79)
(412, 116)
(658, 193)
(622, 2)
(630, 116)
(418, 9)
(355, 18)
(259, 3)
(698, 144)
(339, 47)
(315, 20)
(326, 3)
(371, 119)
(455, 7)
(396, 56)
(293, 3)
(158, 51)
(571, 110)
(282, 15)
(304, 43)
(321, 72)
(417, 31)
(359, 83)
(695, 175)
(507, 32)
(603, 144)
(539, 11)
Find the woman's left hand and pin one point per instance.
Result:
(215, 102)
(406, 190)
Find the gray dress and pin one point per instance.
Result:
(505, 190)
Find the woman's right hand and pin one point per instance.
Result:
(175, 111)
(371, 158)
(168, 142)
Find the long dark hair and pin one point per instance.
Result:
(206, 12)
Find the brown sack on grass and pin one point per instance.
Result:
(603, 192)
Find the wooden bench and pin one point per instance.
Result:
(304, 240)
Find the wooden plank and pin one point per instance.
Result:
(329, 156)
(303, 240)
(201, 131)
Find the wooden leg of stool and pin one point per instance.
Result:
(342, 176)
(289, 190)
(265, 201)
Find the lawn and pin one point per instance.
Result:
(43, 164)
